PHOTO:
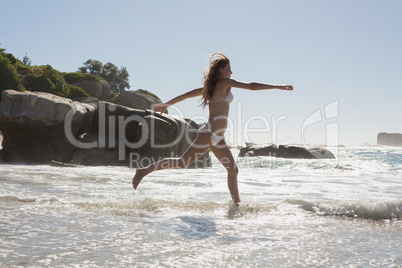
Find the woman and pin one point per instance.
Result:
(217, 96)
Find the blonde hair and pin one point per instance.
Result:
(212, 74)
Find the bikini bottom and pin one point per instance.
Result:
(215, 138)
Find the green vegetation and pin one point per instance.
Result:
(117, 78)
(73, 92)
(113, 96)
(26, 60)
(72, 78)
(47, 79)
(21, 76)
(9, 78)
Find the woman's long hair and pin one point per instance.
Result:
(211, 75)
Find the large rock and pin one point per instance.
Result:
(33, 126)
(98, 89)
(390, 139)
(297, 151)
(286, 151)
(136, 100)
(135, 137)
(1, 140)
(258, 150)
(39, 127)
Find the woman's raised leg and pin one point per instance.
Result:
(224, 155)
(195, 151)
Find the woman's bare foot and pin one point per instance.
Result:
(139, 174)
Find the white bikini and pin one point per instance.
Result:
(229, 98)
(216, 138)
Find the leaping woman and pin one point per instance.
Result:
(216, 94)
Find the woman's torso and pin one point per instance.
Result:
(219, 108)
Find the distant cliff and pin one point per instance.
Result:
(390, 139)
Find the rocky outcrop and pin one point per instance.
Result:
(97, 89)
(136, 100)
(258, 150)
(33, 126)
(297, 151)
(286, 151)
(389, 139)
(1, 140)
(40, 128)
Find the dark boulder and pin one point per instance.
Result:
(137, 99)
(297, 151)
(40, 128)
(1, 140)
(33, 126)
(258, 150)
(97, 89)
(286, 151)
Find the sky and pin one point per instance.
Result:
(343, 58)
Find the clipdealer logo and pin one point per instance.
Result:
(108, 124)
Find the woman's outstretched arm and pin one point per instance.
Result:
(161, 107)
(255, 85)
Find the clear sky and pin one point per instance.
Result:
(345, 55)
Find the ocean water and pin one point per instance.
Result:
(344, 212)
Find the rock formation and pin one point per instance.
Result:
(40, 127)
(286, 151)
(1, 140)
(97, 89)
(258, 150)
(297, 151)
(33, 126)
(390, 139)
(136, 100)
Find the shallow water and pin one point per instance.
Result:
(345, 212)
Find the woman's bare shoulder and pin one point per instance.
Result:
(225, 81)
(223, 85)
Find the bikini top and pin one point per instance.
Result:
(229, 98)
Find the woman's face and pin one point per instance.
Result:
(226, 72)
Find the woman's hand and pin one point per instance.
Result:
(286, 87)
(160, 107)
